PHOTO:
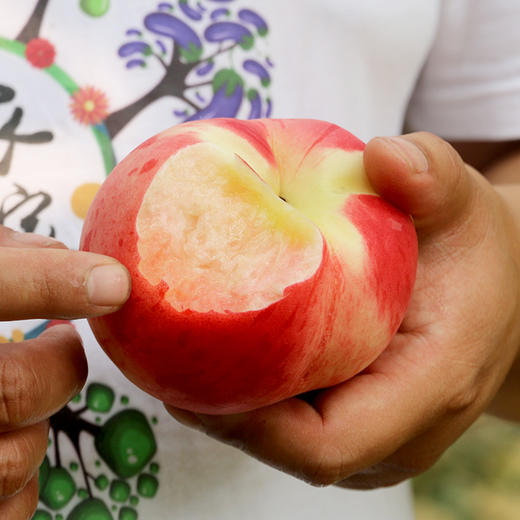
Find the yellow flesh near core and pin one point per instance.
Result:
(320, 187)
(219, 236)
(317, 181)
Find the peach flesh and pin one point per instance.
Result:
(219, 236)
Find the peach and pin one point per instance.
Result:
(263, 263)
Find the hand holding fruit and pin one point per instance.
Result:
(40, 278)
(452, 352)
(242, 300)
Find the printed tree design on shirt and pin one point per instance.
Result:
(213, 66)
(209, 58)
(120, 470)
(125, 474)
(8, 131)
(19, 205)
(207, 49)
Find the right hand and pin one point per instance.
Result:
(41, 278)
(457, 342)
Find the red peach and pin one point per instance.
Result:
(263, 263)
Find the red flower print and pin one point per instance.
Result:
(40, 53)
(89, 105)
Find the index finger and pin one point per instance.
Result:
(59, 283)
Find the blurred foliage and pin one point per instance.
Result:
(478, 478)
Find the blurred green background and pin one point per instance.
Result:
(478, 478)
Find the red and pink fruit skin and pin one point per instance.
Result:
(222, 363)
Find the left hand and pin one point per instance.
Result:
(455, 346)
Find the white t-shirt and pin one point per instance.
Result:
(82, 83)
(470, 86)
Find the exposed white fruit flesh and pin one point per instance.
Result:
(219, 236)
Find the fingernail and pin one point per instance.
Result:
(108, 285)
(412, 154)
(33, 239)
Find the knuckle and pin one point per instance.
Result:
(16, 467)
(325, 468)
(17, 386)
(46, 290)
(463, 398)
(321, 478)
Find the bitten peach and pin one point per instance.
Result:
(263, 263)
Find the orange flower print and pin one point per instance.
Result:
(89, 105)
(40, 53)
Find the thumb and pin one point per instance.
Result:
(424, 176)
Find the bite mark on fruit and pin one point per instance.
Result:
(218, 235)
